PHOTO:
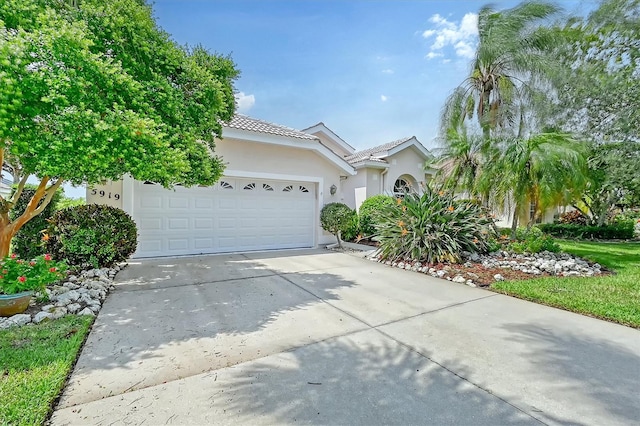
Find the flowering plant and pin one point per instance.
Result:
(18, 275)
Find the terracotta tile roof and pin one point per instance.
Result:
(370, 154)
(243, 122)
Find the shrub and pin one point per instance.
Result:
(337, 218)
(18, 275)
(92, 235)
(621, 230)
(27, 243)
(433, 227)
(575, 217)
(369, 212)
(352, 232)
(532, 240)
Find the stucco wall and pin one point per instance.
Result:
(351, 184)
(110, 193)
(405, 162)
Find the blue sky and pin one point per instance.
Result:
(373, 71)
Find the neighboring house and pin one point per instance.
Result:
(276, 182)
(6, 182)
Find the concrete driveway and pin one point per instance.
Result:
(314, 336)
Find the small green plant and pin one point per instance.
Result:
(337, 218)
(433, 227)
(27, 243)
(92, 235)
(18, 275)
(532, 240)
(369, 212)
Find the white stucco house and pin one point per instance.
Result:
(277, 179)
(390, 168)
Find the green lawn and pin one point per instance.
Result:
(613, 297)
(34, 363)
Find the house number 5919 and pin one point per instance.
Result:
(103, 194)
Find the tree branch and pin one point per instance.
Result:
(31, 207)
(19, 189)
(51, 191)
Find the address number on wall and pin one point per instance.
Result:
(103, 194)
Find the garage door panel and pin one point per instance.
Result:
(203, 202)
(203, 223)
(178, 224)
(223, 218)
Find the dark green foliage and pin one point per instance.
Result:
(532, 240)
(616, 231)
(369, 212)
(433, 227)
(28, 241)
(92, 235)
(336, 218)
(352, 233)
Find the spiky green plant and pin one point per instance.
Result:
(433, 227)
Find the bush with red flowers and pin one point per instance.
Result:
(18, 275)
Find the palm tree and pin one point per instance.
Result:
(459, 161)
(510, 63)
(536, 171)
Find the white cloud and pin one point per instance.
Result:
(244, 102)
(388, 71)
(461, 36)
(383, 98)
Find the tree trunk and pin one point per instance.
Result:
(514, 223)
(339, 239)
(6, 235)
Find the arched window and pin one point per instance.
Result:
(401, 187)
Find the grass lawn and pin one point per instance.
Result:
(34, 363)
(613, 297)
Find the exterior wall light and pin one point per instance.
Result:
(333, 189)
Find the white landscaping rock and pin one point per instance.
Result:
(41, 316)
(498, 277)
(73, 308)
(87, 311)
(459, 279)
(19, 319)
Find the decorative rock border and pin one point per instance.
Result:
(527, 265)
(81, 294)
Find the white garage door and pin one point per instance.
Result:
(234, 215)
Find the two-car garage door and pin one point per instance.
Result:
(234, 215)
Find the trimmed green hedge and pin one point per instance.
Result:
(92, 235)
(615, 231)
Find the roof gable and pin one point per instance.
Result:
(331, 135)
(242, 127)
(381, 152)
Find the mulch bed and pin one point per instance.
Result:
(484, 277)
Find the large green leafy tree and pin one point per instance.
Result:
(614, 180)
(598, 91)
(94, 90)
(511, 65)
